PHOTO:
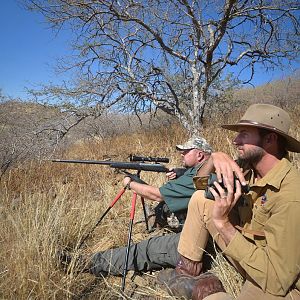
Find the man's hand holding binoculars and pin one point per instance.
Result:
(226, 192)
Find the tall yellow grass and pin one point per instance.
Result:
(45, 206)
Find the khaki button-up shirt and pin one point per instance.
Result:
(268, 246)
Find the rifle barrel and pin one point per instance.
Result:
(79, 161)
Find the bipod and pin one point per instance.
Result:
(132, 213)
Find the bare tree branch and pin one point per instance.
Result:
(172, 54)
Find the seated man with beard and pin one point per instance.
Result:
(257, 230)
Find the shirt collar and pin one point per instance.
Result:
(275, 176)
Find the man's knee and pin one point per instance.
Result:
(197, 200)
(200, 204)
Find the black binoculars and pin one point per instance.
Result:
(210, 183)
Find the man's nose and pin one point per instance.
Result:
(235, 140)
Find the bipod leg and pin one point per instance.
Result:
(132, 212)
(119, 195)
(145, 213)
(138, 179)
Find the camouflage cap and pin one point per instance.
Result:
(196, 143)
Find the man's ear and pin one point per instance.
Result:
(271, 138)
(200, 155)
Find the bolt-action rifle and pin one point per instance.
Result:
(136, 163)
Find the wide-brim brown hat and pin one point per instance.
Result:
(269, 117)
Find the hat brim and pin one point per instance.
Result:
(291, 143)
(182, 148)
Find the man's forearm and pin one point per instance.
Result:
(146, 191)
(226, 230)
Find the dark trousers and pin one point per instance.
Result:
(152, 254)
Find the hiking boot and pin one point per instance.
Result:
(182, 285)
(165, 276)
(206, 285)
(184, 266)
(195, 288)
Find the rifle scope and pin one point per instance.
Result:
(149, 158)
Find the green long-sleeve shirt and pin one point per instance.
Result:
(177, 192)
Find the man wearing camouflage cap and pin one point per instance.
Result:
(177, 192)
(195, 143)
(159, 251)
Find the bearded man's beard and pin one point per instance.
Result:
(252, 156)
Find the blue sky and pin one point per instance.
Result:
(29, 49)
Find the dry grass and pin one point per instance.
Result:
(232, 281)
(44, 206)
